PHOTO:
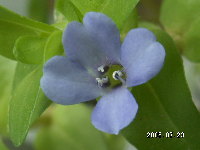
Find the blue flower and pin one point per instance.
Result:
(97, 64)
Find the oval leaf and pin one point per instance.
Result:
(30, 49)
(38, 49)
(27, 103)
(7, 68)
(13, 26)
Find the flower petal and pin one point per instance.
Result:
(93, 42)
(114, 111)
(141, 56)
(104, 30)
(68, 83)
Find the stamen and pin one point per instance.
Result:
(117, 74)
(122, 80)
(101, 69)
(102, 81)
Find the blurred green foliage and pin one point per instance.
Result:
(74, 132)
(181, 19)
(2, 146)
(41, 10)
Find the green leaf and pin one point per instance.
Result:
(165, 105)
(2, 146)
(38, 49)
(13, 26)
(7, 68)
(118, 10)
(53, 45)
(71, 129)
(191, 42)
(130, 23)
(30, 49)
(27, 103)
(12, 17)
(67, 8)
(61, 25)
(22, 70)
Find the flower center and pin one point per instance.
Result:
(110, 76)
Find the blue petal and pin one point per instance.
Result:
(114, 111)
(68, 83)
(105, 32)
(93, 42)
(141, 56)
